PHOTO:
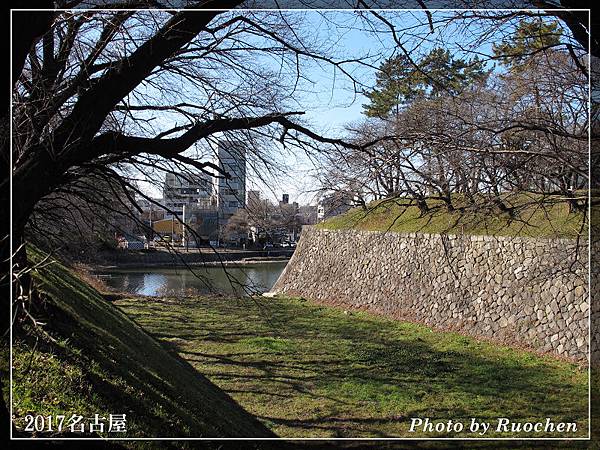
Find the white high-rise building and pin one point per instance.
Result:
(231, 192)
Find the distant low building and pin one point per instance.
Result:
(335, 204)
(171, 226)
(205, 223)
(151, 211)
(130, 242)
(193, 190)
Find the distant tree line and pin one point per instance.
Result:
(266, 222)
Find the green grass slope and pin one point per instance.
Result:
(532, 219)
(104, 363)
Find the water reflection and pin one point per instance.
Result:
(206, 280)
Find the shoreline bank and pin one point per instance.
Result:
(178, 265)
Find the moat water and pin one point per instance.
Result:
(236, 280)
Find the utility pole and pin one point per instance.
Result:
(183, 236)
(151, 228)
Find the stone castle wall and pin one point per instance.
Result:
(523, 291)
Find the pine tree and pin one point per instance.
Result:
(530, 38)
(400, 81)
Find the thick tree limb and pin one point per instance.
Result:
(94, 104)
(113, 142)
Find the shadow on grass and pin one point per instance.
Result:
(344, 375)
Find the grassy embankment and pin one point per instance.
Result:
(308, 370)
(105, 363)
(532, 219)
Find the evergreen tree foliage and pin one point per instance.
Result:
(401, 81)
(530, 38)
